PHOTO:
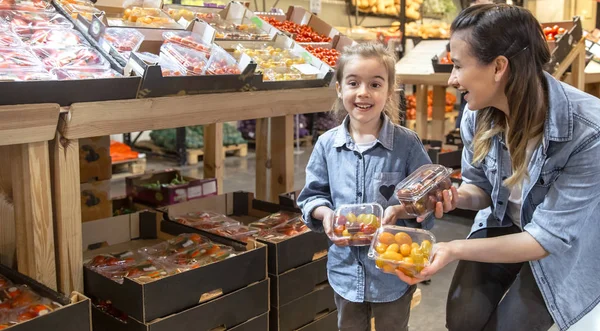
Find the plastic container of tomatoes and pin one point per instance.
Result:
(124, 259)
(74, 74)
(221, 63)
(199, 256)
(123, 40)
(284, 231)
(26, 5)
(355, 225)
(397, 248)
(17, 59)
(9, 39)
(205, 220)
(168, 68)
(192, 61)
(21, 19)
(76, 57)
(420, 191)
(46, 37)
(187, 39)
(181, 243)
(21, 75)
(237, 232)
(275, 220)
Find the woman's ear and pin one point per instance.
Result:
(500, 68)
(338, 90)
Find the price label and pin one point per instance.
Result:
(97, 28)
(315, 6)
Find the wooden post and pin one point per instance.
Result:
(7, 211)
(262, 158)
(422, 111)
(213, 153)
(439, 113)
(33, 212)
(282, 156)
(578, 67)
(67, 213)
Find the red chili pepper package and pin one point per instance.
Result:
(179, 244)
(124, 259)
(221, 63)
(76, 57)
(18, 75)
(187, 39)
(23, 19)
(75, 74)
(124, 40)
(274, 220)
(50, 37)
(18, 58)
(194, 62)
(284, 231)
(200, 256)
(237, 232)
(26, 5)
(9, 39)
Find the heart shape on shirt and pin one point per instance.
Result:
(387, 191)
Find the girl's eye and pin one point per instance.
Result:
(352, 83)
(376, 85)
(456, 67)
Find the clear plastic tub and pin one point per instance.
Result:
(124, 40)
(45, 37)
(67, 74)
(237, 232)
(355, 225)
(187, 39)
(17, 59)
(22, 19)
(9, 39)
(85, 10)
(19, 75)
(401, 248)
(194, 62)
(276, 75)
(221, 63)
(26, 5)
(420, 191)
(284, 231)
(179, 244)
(77, 57)
(124, 259)
(274, 220)
(75, 2)
(199, 256)
(147, 271)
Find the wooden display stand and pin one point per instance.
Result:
(416, 69)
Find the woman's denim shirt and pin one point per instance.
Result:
(561, 207)
(338, 174)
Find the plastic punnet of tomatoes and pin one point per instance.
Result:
(124, 41)
(9, 39)
(187, 39)
(238, 232)
(355, 225)
(22, 19)
(123, 259)
(221, 63)
(193, 61)
(47, 37)
(74, 74)
(181, 243)
(199, 256)
(420, 191)
(19, 75)
(275, 220)
(400, 248)
(26, 5)
(168, 68)
(18, 59)
(87, 11)
(284, 231)
(205, 220)
(76, 57)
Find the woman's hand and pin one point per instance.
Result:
(326, 215)
(442, 255)
(393, 213)
(450, 200)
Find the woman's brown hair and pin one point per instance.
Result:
(375, 51)
(494, 30)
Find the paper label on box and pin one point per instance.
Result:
(306, 69)
(315, 6)
(194, 192)
(210, 188)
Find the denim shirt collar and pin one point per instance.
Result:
(559, 117)
(386, 134)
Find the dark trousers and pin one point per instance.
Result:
(353, 316)
(495, 296)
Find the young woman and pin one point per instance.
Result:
(531, 166)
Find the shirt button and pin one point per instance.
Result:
(359, 156)
(480, 224)
(503, 177)
(504, 147)
(500, 203)
(359, 194)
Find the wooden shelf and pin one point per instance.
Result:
(24, 124)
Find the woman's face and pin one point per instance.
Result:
(478, 82)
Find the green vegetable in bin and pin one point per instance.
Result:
(178, 180)
(153, 186)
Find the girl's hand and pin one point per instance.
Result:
(393, 213)
(443, 254)
(328, 222)
(450, 200)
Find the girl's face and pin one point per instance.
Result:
(481, 84)
(364, 89)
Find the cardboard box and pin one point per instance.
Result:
(172, 194)
(303, 311)
(166, 296)
(295, 283)
(119, 229)
(94, 159)
(73, 316)
(95, 201)
(325, 323)
(240, 310)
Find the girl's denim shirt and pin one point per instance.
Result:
(338, 174)
(561, 201)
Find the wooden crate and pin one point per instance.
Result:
(128, 168)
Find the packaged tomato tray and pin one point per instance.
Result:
(124, 40)
(274, 220)
(75, 74)
(18, 303)
(21, 75)
(420, 191)
(26, 5)
(237, 232)
(187, 39)
(403, 249)
(221, 63)
(284, 231)
(205, 220)
(199, 256)
(76, 57)
(9, 39)
(22, 20)
(46, 37)
(355, 225)
(168, 68)
(17, 59)
(194, 62)
(175, 245)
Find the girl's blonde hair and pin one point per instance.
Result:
(512, 32)
(371, 51)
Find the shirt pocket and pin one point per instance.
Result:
(384, 187)
(542, 186)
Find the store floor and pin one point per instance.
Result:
(429, 315)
